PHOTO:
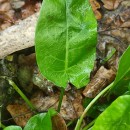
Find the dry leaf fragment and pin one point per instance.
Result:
(102, 78)
(95, 6)
(58, 123)
(111, 4)
(97, 15)
(42, 102)
(126, 24)
(5, 18)
(20, 113)
(67, 110)
(70, 109)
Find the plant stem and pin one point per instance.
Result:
(91, 104)
(21, 94)
(70, 123)
(2, 126)
(61, 98)
(89, 125)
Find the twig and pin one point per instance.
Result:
(18, 37)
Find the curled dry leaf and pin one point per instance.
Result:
(126, 24)
(20, 113)
(4, 17)
(58, 123)
(95, 6)
(111, 4)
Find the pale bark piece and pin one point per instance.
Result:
(18, 37)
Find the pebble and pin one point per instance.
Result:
(17, 4)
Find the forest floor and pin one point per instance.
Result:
(113, 17)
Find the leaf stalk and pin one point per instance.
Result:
(78, 125)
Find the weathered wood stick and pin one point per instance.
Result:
(18, 37)
(102, 78)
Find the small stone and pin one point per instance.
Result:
(17, 4)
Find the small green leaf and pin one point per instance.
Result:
(41, 121)
(122, 80)
(13, 128)
(116, 116)
(66, 37)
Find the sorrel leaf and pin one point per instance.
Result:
(13, 128)
(65, 41)
(122, 80)
(41, 121)
(116, 116)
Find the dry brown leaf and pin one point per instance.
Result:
(70, 109)
(126, 24)
(111, 4)
(58, 123)
(42, 102)
(98, 15)
(28, 11)
(5, 18)
(71, 106)
(95, 6)
(20, 113)
(67, 110)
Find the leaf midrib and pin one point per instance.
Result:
(67, 44)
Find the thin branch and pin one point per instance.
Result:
(18, 37)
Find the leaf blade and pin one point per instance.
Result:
(13, 128)
(68, 32)
(116, 116)
(122, 79)
(41, 121)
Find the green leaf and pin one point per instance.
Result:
(116, 116)
(65, 38)
(41, 121)
(13, 128)
(122, 80)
